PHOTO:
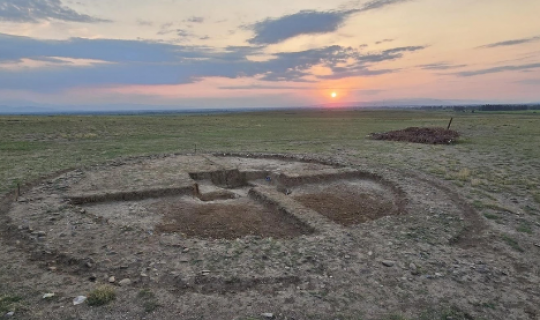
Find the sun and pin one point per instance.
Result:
(333, 95)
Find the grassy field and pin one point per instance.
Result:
(33, 146)
(495, 165)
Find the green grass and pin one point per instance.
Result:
(512, 243)
(33, 146)
(525, 227)
(149, 300)
(9, 303)
(102, 295)
(536, 198)
(491, 216)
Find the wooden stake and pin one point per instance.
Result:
(450, 123)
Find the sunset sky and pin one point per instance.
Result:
(255, 53)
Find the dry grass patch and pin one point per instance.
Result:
(102, 295)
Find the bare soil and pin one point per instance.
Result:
(226, 220)
(419, 135)
(232, 237)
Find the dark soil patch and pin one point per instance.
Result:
(228, 220)
(348, 209)
(419, 135)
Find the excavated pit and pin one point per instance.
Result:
(347, 202)
(230, 219)
(228, 224)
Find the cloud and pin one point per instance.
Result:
(195, 19)
(145, 23)
(384, 41)
(532, 82)
(511, 42)
(271, 31)
(184, 33)
(525, 67)
(38, 10)
(129, 62)
(378, 4)
(441, 66)
(265, 87)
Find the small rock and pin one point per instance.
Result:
(388, 263)
(185, 250)
(48, 295)
(144, 275)
(112, 279)
(267, 315)
(347, 257)
(41, 234)
(125, 282)
(89, 264)
(79, 300)
(52, 269)
(10, 314)
(412, 266)
(184, 259)
(92, 278)
(83, 211)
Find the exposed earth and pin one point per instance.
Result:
(430, 135)
(260, 236)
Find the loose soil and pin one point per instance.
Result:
(347, 202)
(419, 135)
(226, 219)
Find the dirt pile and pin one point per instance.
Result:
(419, 135)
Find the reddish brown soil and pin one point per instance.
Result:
(419, 135)
(348, 209)
(231, 220)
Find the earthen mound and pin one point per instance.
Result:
(427, 135)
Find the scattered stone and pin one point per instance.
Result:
(92, 278)
(83, 211)
(48, 295)
(52, 268)
(537, 244)
(89, 264)
(185, 250)
(125, 282)
(10, 314)
(41, 234)
(388, 263)
(79, 300)
(112, 279)
(347, 257)
(267, 315)
(205, 272)
(144, 275)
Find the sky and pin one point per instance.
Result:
(255, 53)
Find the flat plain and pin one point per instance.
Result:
(466, 247)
